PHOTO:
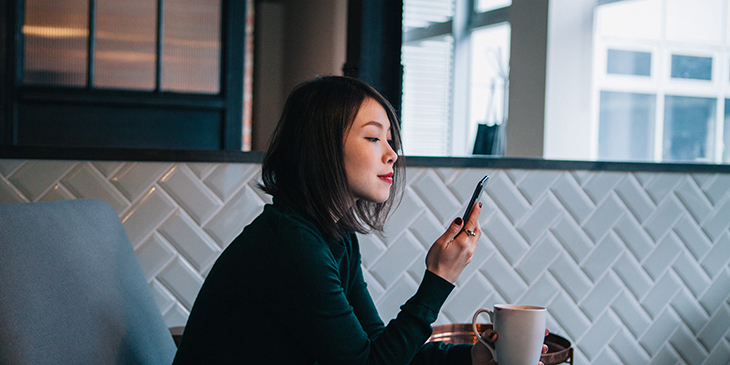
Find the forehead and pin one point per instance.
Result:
(371, 111)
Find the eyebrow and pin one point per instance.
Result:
(375, 123)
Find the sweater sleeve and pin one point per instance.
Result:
(331, 329)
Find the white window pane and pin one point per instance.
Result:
(56, 41)
(688, 128)
(125, 44)
(191, 48)
(626, 126)
(695, 21)
(630, 19)
(487, 5)
(422, 13)
(427, 87)
(489, 77)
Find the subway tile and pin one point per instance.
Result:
(599, 334)
(693, 199)
(718, 257)
(36, 176)
(603, 218)
(720, 355)
(481, 254)
(601, 184)
(85, 182)
(660, 295)
(601, 295)
(136, 178)
(9, 193)
(501, 275)
(538, 258)
(717, 292)
(687, 346)
(666, 251)
(505, 237)
(602, 257)
(182, 281)
(374, 288)
(717, 188)
(176, 316)
(57, 192)
(635, 198)
(8, 166)
(510, 201)
(631, 314)
(634, 237)
(426, 228)
(399, 255)
(465, 181)
(516, 175)
(644, 177)
(438, 197)
(190, 240)
(446, 173)
(691, 274)
(239, 212)
(565, 312)
(408, 210)
(571, 278)
(606, 356)
(188, 191)
(371, 247)
(702, 178)
(692, 314)
(153, 255)
(202, 170)
(581, 176)
(539, 219)
(661, 185)
(628, 349)
(692, 237)
(164, 299)
(666, 356)
(659, 331)
(715, 328)
(573, 239)
(390, 303)
(663, 218)
(541, 292)
(536, 183)
(718, 222)
(226, 179)
(107, 168)
(572, 197)
(461, 306)
(632, 275)
(146, 215)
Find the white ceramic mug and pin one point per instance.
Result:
(520, 330)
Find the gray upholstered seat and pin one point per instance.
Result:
(72, 291)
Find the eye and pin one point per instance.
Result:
(372, 139)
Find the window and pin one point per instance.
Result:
(455, 56)
(127, 73)
(651, 74)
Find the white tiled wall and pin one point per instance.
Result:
(633, 267)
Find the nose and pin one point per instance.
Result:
(389, 156)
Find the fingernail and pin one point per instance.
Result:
(480, 204)
(491, 335)
(458, 221)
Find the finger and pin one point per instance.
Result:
(544, 349)
(473, 220)
(489, 335)
(453, 230)
(547, 332)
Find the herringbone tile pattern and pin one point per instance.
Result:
(634, 268)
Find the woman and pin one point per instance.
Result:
(290, 288)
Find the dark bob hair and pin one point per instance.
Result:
(304, 165)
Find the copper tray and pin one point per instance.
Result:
(559, 348)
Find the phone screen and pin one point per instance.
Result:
(475, 197)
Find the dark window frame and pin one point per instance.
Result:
(48, 116)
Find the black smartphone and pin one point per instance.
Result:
(474, 197)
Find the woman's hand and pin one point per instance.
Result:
(450, 254)
(480, 355)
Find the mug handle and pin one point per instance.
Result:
(490, 346)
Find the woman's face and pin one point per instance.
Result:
(368, 156)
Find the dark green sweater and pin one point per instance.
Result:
(282, 294)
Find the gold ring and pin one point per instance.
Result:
(470, 233)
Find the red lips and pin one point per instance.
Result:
(387, 178)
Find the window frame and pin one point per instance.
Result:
(171, 120)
